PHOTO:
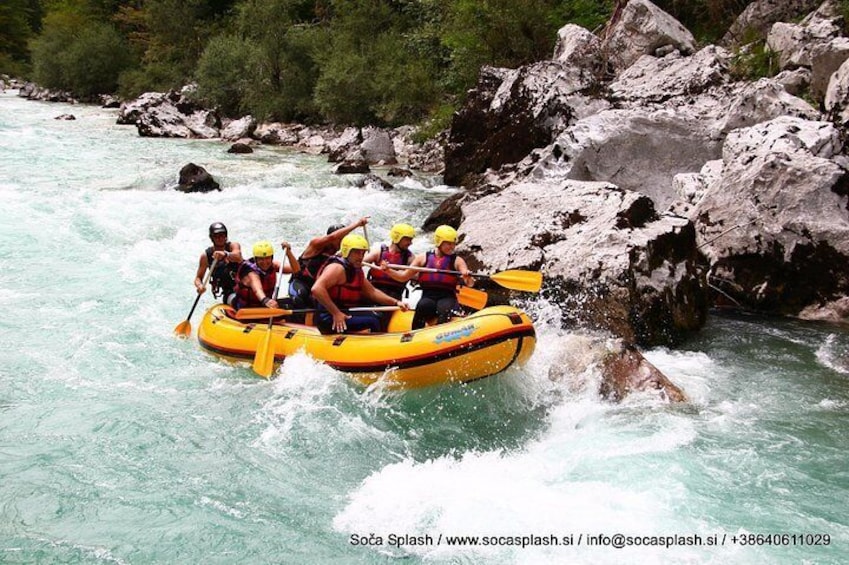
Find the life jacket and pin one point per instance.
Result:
(310, 268)
(439, 281)
(244, 293)
(381, 278)
(223, 277)
(348, 294)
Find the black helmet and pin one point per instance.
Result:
(334, 227)
(217, 227)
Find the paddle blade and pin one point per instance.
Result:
(527, 281)
(183, 329)
(264, 358)
(472, 298)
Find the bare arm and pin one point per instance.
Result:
(461, 266)
(253, 281)
(202, 267)
(232, 256)
(404, 276)
(292, 264)
(317, 244)
(372, 256)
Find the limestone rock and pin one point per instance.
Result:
(608, 258)
(775, 225)
(640, 28)
(511, 112)
(759, 16)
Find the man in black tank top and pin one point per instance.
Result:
(229, 256)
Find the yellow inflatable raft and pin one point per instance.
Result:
(465, 349)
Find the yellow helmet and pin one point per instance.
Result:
(263, 249)
(352, 241)
(400, 231)
(444, 233)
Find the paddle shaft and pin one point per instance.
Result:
(431, 270)
(258, 313)
(263, 363)
(205, 282)
(526, 281)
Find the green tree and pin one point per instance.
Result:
(78, 54)
(281, 38)
(377, 67)
(508, 33)
(225, 72)
(15, 32)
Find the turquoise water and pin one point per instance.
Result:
(122, 444)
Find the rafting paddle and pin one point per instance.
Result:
(527, 281)
(264, 358)
(184, 328)
(472, 297)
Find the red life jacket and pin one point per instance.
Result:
(244, 293)
(439, 281)
(348, 294)
(380, 278)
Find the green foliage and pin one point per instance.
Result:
(226, 70)
(383, 62)
(76, 54)
(437, 122)
(285, 68)
(753, 61)
(15, 32)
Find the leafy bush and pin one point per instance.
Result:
(76, 54)
(753, 61)
(225, 72)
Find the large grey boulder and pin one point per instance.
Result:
(659, 79)
(377, 146)
(837, 96)
(511, 112)
(641, 28)
(171, 114)
(826, 58)
(276, 133)
(609, 260)
(234, 130)
(796, 43)
(637, 150)
(774, 225)
(761, 101)
(759, 16)
(578, 47)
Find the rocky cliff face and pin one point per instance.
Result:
(648, 185)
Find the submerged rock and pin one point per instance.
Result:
(194, 178)
(613, 368)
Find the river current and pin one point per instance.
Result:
(122, 444)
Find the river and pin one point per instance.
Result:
(122, 444)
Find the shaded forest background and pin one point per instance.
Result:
(381, 62)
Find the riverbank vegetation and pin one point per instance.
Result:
(383, 62)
